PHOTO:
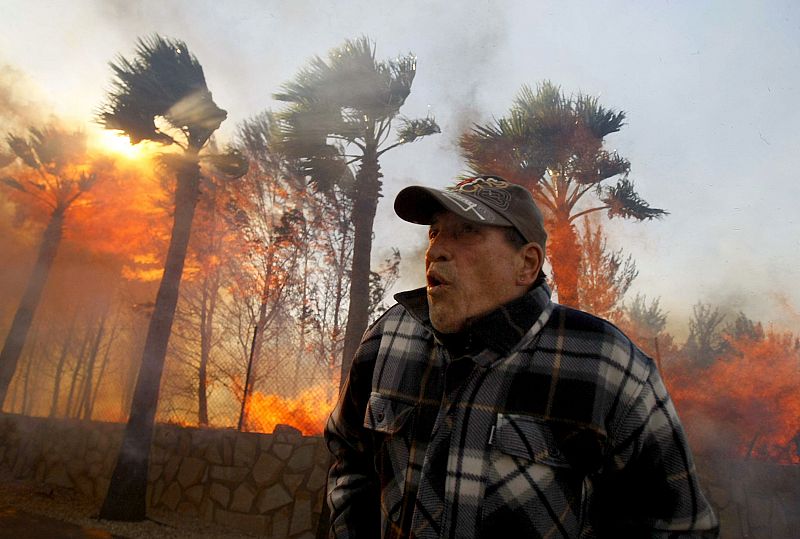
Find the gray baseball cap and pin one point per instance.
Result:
(488, 200)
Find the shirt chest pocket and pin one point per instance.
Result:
(529, 479)
(527, 438)
(391, 421)
(386, 415)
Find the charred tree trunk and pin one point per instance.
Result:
(88, 384)
(126, 496)
(62, 358)
(368, 187)
(15, 341)
(76, 370)
(103, 367)
(209, 303)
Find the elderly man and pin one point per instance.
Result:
(476, 407)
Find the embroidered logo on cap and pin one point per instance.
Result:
(492, 190)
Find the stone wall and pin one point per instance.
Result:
(272, 484)
(265, 484)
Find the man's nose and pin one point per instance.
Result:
(438, 249)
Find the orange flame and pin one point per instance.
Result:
(308, 411)
(747, 404)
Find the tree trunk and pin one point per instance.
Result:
(565, 259)
(205, 346)
(60, 369)
(76, 369)
(368, 188)
(15, 341)
(88, 385)
(103, 367)
(126, 496)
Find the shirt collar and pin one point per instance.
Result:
(499, 330)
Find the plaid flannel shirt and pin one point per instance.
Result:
(541, 421)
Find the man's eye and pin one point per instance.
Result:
(432, 233)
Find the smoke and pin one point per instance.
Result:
(20, 103)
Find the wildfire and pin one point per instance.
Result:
(307, 412)
(747, 404)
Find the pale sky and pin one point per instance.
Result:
(709, 89)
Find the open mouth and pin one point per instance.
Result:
(435, 281)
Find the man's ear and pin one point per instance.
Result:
(532, 259)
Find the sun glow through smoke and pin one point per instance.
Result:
(119, 144)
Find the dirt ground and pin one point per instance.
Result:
(42, 512)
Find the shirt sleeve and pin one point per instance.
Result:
(353, 485)
(650, 487)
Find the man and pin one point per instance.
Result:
(476, 407)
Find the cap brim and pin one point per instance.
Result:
(417, 204)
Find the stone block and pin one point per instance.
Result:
(245, 450)
(255, 524)
(317, 478)
(265, 442)
(85, 486)
(101, 487)
(227, 450)
(172, 496)
(267, 469)
(154, 472)
(184, 442)
(233, 474)
(187, 509)
(220, 494)
(282, 451)
(302, 458)
(57, 475)
(194, 494)
(272, 498)
(301, 516)
(165, 437)
(287, 433)
(207, 510)
(243, 498)
(158, 490)
(171, 468)
(94, 457)
(292, 481)
(191, 471)
(212, 454)
(158, 455)
(280, 523)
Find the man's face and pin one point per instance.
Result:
(471, 270)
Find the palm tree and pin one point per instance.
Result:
(553, 145)
(164, 83)
(54, 176)
(341, 114)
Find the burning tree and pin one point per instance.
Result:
(164, 83)
(56, 173)
(746, 403)
(605, 275)
(341, 113)
(553, 145)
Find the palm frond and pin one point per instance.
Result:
(163, 80)
(23, 150)
(598, 119)
(231, 163)
(413, 129)
(623, 201)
